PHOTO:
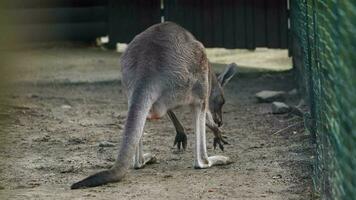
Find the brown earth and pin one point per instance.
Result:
(56, 125)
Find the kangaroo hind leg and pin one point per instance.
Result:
(141, 159)
(201, 157)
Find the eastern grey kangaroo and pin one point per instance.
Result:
(165, 67)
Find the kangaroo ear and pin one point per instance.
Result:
(227, 74)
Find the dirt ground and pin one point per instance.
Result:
(56, 125)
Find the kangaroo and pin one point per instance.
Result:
(165, 67)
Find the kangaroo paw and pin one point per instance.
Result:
(219, 140)
(180, 141)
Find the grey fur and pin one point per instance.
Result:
(164, 67)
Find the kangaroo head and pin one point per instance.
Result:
(216, 98)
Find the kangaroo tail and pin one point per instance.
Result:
(140, 103)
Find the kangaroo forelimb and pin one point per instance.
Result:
(181, 136)
(218, 136)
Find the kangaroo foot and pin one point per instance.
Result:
(147, 159)
(181, 140)
(212, 161)
(101, 178)
(219, 160)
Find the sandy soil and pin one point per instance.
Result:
(56, 126)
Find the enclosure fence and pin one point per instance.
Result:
(324, 51)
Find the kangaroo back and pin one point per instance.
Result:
(165, 55)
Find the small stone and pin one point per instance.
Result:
(66, 106)
(106, 144)
(293, 92)
(280, 108)
(75, 140)
(301, 103)
(45, 138)
(32, 95)
(68, 170)
(278, 176)
(167, 176)
(270, 96)
(121, 115)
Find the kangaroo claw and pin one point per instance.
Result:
(220, 142)
(219, 139)
(180, 141)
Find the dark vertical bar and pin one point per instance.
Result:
(192, 20)
(249, 28)
(167, 10)
(198, 19)
(147, 14)
(188, 15)
(272, 24)
(128, 26)
(208, 27)
(113, 9)
(129, 17)
(283, 24)
(218, 23)
(174, 7)
(229, 24)
(260, 23)
(239, 23)
(181, 12)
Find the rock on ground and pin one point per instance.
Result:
(280, 108)
(106, 144)
(270, 96)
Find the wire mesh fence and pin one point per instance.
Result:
(324, 51)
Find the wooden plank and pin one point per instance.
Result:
(240, 23)
(167, 10)
(198, 20)
(53, 3)
(175, 11)
(57, 15)
(218, 24)
(249, 25)
(260, 23)
(188, 15)
(273, 24)
(148, 13)
(118, 12)
(59, 32)
(208, 27)
(129, 17)
(283, 24)
(229, 24)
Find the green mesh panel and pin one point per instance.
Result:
(325, 32)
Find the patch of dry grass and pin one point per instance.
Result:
(261, 59)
